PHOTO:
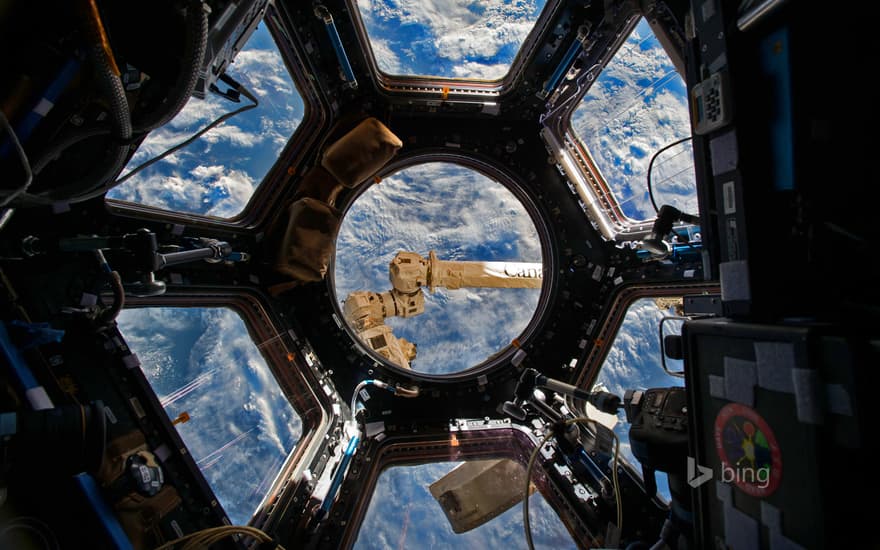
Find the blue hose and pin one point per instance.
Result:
(340, 473)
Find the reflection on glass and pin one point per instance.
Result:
(637, 106)
(403, 514)
(633, 362)
(204, 363)
(459, 39)
(461, 215)
(218, 173)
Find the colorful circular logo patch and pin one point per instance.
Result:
(750, 456)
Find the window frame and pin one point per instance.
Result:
(572, 155)
(605, 334)
(274, 184)
(300, 384)
(511, 182)
(509, 440)
(450, 89)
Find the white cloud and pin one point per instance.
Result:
(462, 32)
(475, 69)
(234, 135)
(214, 190)
(386, 57)
(264, 72)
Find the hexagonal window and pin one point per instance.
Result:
(217, 174)
(404, 513)
(633, 362)
(191, 356)
(637, 106)
(439, 268)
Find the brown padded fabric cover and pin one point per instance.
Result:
(140, 516)
(309, 240)
(319, 184)
(360, 153)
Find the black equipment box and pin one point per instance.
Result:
(774, 415)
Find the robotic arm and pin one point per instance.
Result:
(409, 272)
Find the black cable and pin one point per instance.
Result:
(218, 121)
(651, 165)
(118, 298)
(106, 72)
(527, 527)
(106, 75)
(195, 46)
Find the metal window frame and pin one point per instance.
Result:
(272, 187)
(287, 361)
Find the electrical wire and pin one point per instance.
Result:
(217, 122)
(122, 128)
(616, 482)
(354, 396)
(651, 165)
(25, 163)
(526, 525)
(212, 535)
(532, 459)
(396, 390)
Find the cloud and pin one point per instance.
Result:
(386, 57)
(236, 136)
(264, 73)
(637, 106)
(461, 38)
(212, 190)
(475, 69)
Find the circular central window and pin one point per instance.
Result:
(438, 268)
